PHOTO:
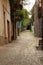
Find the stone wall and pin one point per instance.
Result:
(37, 21)
(4, 17)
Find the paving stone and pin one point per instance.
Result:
(22, 51)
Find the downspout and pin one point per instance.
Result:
(42, 23)
(4, 24)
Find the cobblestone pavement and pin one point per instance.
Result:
(22, 51)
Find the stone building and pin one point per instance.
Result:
(8, 20)
(37, 19)
(5, 22)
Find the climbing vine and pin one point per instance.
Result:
(15, 9)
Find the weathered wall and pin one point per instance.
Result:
(37, 21)
(4, 7)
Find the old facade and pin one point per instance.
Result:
(5, 22)
(37, 19)
(8, 29)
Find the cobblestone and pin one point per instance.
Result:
(22, 51)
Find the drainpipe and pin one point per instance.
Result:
(42, 32)
(4, 23)
(42, 23)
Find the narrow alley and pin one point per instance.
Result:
(22, 51)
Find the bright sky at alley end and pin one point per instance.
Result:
(28, 4)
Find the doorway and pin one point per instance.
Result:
(8, 31)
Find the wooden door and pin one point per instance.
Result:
(8, 31)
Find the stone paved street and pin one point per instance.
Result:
(22, 51)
